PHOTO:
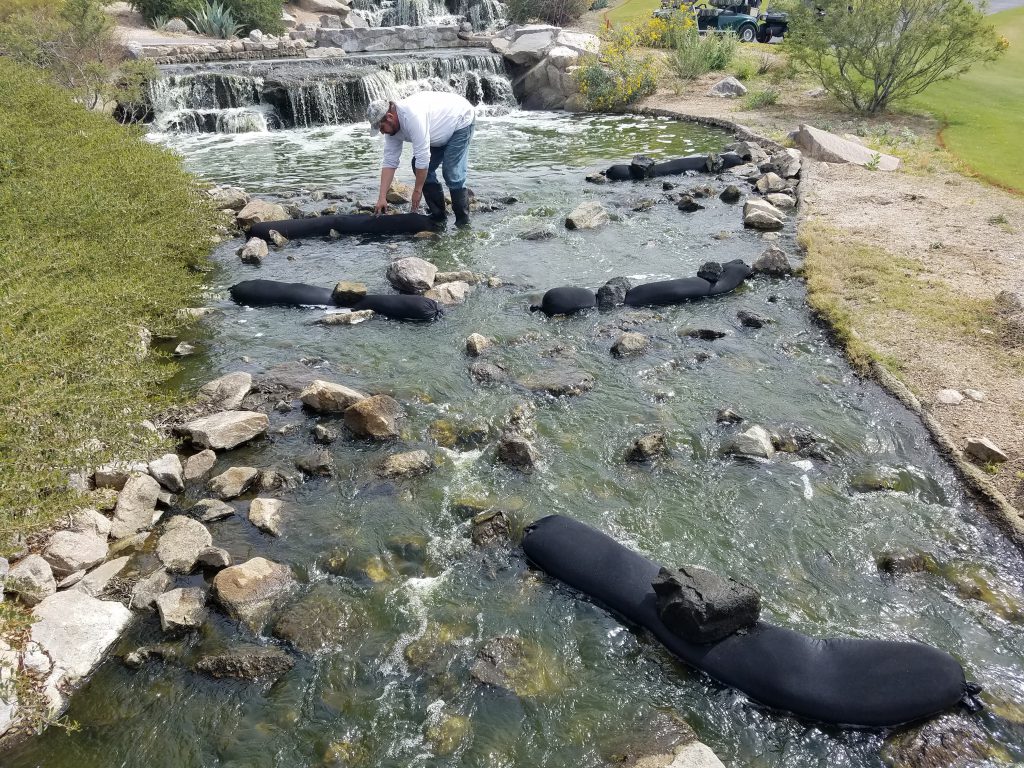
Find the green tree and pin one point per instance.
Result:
(871, 53)
(75, 44)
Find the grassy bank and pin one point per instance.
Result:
(983, 112)
(97, 232)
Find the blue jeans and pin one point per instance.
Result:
(453, 158)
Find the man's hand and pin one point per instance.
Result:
(380, 207)
(415, 203)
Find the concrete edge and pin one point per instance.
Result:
(994, 505)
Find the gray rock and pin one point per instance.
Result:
(75, 630)
(702, 607)
(213, 559)
(316, 463)
(72, 580)
(773, 262)
(347, 293)
(136, 507)
(829, 148)
(223, 431)
(254, 251)
(89, 520)
(279, 240)
(476, 344)
(704, 334)
(770, 182)
(750, 319)
(491, 529)
(149, 588)
(985, 451)
(782, 201)
(329, 397)
(324, 434)
(31, 579)
(376, 417)
(69, 551)
(948, 397)
(728, 88)
(688, 204)
(587, 216)
(647, 447)
(167, 471)
(613, 293)
(181, 610)
(450, 294)
(228, 391)
(248, 663)
(265, 514)
(184, 349)
(411, 275)
(975, 394)
(755, 441)
(488, 373)
(232, 198)
(406, 464)
(258, 211)
(951, 741)
(182, 541)
(346, 318)
(1009, 303)
(558, 382)
(728, 416)
(710, 271)
(630, 344)
(198, 466)
(543, 232)
(249, 591)
(462, 276)
(211, 510)
(233, 482)
(518, 452)
(116, 474)
(96, 582)
(731, 194)
(760, 214)
(322, 618)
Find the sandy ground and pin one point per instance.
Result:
(962, 232)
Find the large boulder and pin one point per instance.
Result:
(411, 275)
(198, 466)
(31, 579)
(728, 88)
(406, 464)
(249, 591)
(75, 630)
(258, 211)
(829, 148)
(700, 606)
(530, 44)
(334, 7)
(760, 214)
(70, 551)
(450, 294)
(228, 391)
(329, 397)
(182, 541)
(233, 482)
(96, 582)
(149, 588)
(375, 417)
(755, 441)
(225, 430)
(136, 507)
(232, 198)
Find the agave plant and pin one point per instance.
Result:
(215, 20)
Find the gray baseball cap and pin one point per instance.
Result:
(375, 113)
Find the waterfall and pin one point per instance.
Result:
(240, 97)
(481, 14)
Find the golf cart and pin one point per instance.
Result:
(746, 20)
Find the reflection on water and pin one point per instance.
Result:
(401, 601)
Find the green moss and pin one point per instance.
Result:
(99, 231)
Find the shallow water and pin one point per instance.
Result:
(801, 536)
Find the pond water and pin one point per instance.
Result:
(387, 683)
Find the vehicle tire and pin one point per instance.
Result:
(764, 35)
(747, 33)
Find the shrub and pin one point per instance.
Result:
(871, 53)
(764, 98)
(100, 228)
(744, 70)
(215, 20)
(152, 10)
(264, 15)
(9, 8)
(78, 49)
(621, 75)
(662, 32)
(557, 12)
(695, 54)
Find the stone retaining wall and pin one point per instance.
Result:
(403, 38)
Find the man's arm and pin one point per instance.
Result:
(419, 136)
(387, 175)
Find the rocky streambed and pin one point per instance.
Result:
(326, 573)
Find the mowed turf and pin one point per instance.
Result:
(630, 10)
(983, 111)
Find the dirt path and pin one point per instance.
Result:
(913, 260)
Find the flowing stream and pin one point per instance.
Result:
(402, 601)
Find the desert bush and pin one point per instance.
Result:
(695, 54)
(871, 53)
(264, 15)
(763, 98)
(744, 70)
(621, 75)
(557, 12)
(100, 229)
(152, 10)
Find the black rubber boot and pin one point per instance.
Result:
(433, 196)
(460, 206)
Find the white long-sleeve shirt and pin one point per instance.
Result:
(426, 119)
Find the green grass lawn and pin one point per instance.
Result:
(631, 10)
(983, 111)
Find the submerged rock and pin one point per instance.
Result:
(181, 610)
(233, 482)
(406, 464)
(491, 528)
(375, 417)
(519, 667)
(322, 618)
(647, 447)
(226, 392)
(246, 663)
(558, 382)
(950, 741)
(249, 591)
(755, 441)
(587, 216)
(518, 452)
(630, 344)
